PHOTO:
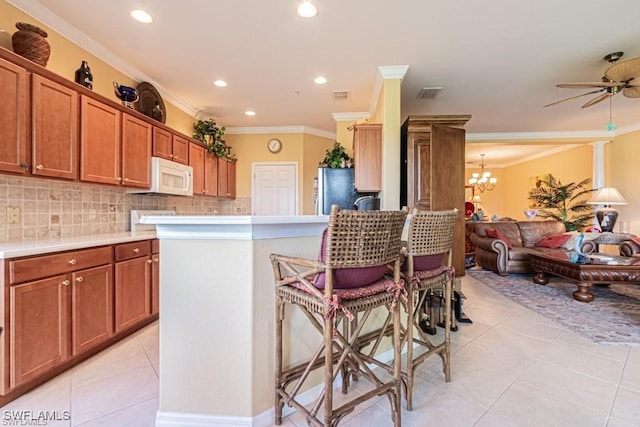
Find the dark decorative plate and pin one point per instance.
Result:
(149, 95)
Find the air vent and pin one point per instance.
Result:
(341, 94)
(429, 92)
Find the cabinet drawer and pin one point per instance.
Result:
(133, 250)
(22, 270)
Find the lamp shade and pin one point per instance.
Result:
(607, 196)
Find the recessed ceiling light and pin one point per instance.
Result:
(320, 80)
(307, 10)
(141, 16)
(250, 113)
(220, 83)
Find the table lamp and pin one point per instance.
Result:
(606, 215)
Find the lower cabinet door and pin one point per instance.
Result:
(132, 293)
(91, 307)
(39, 327)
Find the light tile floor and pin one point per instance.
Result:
(511, 367)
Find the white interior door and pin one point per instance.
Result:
(275, 188)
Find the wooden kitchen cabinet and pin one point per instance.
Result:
(115, 147)
(170, 146)
(155, 276)
(13, 118)
(132, 283)
(226, 178)
(100, 142)
(136, 152)
(205, 170)
(60, 305)
(39, 327)
(367, 155)
(54, 110)
(432, 169)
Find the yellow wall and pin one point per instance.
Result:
(509, 198)
(305, 149)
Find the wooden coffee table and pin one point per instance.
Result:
(625, 270)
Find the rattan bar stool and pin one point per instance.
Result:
(348, 280)
(427, 272)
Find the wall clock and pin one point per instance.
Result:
(274, 145)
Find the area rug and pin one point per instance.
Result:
(613, 317)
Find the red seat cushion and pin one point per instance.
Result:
(424, 262)
(497, 234)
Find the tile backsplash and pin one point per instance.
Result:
(36, 208)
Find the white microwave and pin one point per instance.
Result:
(169, 177)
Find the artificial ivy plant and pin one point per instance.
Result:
(211, 136)
(337, 157)
(564, 203)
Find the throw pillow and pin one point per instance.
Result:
(497, 234)
(346, 278)
(554, 241)
(636, 239)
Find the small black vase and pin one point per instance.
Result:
(84, 76)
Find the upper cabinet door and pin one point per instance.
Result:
(136, 152)
(54, 110)
(99, 142)
(13, 118)
(180, 150)
(162, 143)
(367, 154)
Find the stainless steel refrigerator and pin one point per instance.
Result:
(336, 187)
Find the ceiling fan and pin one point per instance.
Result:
(622, 76)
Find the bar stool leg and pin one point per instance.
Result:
(448, 318)
(278, 371)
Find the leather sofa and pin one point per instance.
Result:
(494, 254)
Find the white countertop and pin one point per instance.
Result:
(236, 227)
(36, 247)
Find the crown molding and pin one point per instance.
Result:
(393, 71)
(255, 130)
(350, 117)
(73, 34)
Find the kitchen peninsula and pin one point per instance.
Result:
(217, 305)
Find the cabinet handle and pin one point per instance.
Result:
(79, 279)
(136, 250)
(149, 261)
(119, 179)
(126, 180)
(65, 282)
(23, 165)
(39, 167)
(156, 259)
(72, 261)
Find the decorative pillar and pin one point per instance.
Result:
(598, 163)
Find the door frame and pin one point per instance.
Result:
(296, 183)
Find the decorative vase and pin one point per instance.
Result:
(29, 42)
(84, 76)
(531, 214)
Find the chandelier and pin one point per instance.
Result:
(482, 181)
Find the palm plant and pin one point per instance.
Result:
(564, 203)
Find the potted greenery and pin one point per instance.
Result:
(211, 136)
(337, 157)
(564, 203)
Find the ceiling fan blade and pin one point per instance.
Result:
(597, 99)
(589, 84)
(632, 92)
(623, 71)
(573, 97)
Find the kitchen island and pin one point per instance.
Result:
(217, 304)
